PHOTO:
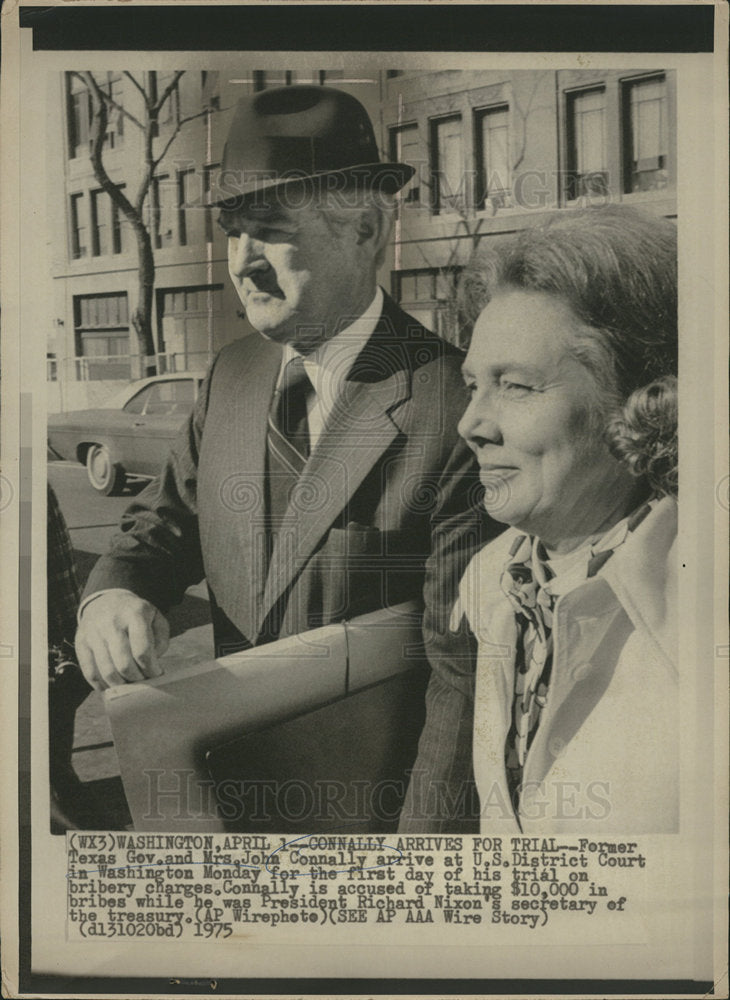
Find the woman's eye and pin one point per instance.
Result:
(514, 388)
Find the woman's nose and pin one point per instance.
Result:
(479, 423)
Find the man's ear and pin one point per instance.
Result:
(373, 228)
(367, 225)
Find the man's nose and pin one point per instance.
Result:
(480, 424)
(246, 255)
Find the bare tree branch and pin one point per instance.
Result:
(524, 115)
(138, 85)
(168, 90)
(122, 110)
(133, 210)
(176, 132)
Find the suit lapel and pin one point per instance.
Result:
(360, 429)
(255, 387)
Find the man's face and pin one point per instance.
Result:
(299, 278)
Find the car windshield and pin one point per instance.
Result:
(168, 396)
(117, 399)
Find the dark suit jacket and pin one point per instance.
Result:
(389, 486)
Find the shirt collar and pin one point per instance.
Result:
(330, 364)
(558, 574)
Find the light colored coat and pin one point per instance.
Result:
(605, 756)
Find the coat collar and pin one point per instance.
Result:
(643, 575)
(647, 556)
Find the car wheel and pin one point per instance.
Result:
(105, 476)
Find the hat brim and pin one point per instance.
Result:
(385, 178)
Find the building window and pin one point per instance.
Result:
(187, 198)
(78, 229)
(209, 171)
(186, 320)
(119, 226)
(170, 110)
(447, 163)
(259, 80)
(645, 134)
(494, 181)
(101, 329)
(162, 211)
(169, 113)
(99, 223)
(586, 135)
(78, 115)
(429, 295)
(405, 148)
(210, 87)
(80, 109)
(115, 118)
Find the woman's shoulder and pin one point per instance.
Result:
(480, 584)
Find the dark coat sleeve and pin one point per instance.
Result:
(441, 794)
(156, 552)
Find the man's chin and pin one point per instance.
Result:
(266, 324)
(276, 334)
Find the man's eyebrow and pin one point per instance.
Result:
(228, 221)
(235, 220)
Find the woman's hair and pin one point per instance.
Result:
(616, 267)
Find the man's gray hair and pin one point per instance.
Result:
(342, 208)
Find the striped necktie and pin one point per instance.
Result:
(287, 439)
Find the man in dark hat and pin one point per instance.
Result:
(321, 467)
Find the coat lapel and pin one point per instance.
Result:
(250, 407)
(586, 652)
(601, 615)
(360, 429)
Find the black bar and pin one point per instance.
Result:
(377, 27)
(77, 986)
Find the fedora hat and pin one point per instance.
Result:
(310, 134)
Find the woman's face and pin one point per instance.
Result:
(533, 423)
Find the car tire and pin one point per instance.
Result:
(107, 477)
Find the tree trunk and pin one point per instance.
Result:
(141, 318)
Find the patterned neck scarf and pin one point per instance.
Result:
(532, 586)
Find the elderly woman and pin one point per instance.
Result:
(573, 419)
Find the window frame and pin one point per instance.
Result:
(435, 157)
(77, 227)
(626, 85)
(393, 132)
(481, 188)
(572, 180)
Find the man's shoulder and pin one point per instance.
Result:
(418, 347)
(410, 330)
(251, 355)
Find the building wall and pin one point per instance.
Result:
(433, 240)
(529, 120)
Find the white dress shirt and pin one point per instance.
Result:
(329, 365)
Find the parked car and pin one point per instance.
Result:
(130, 435)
